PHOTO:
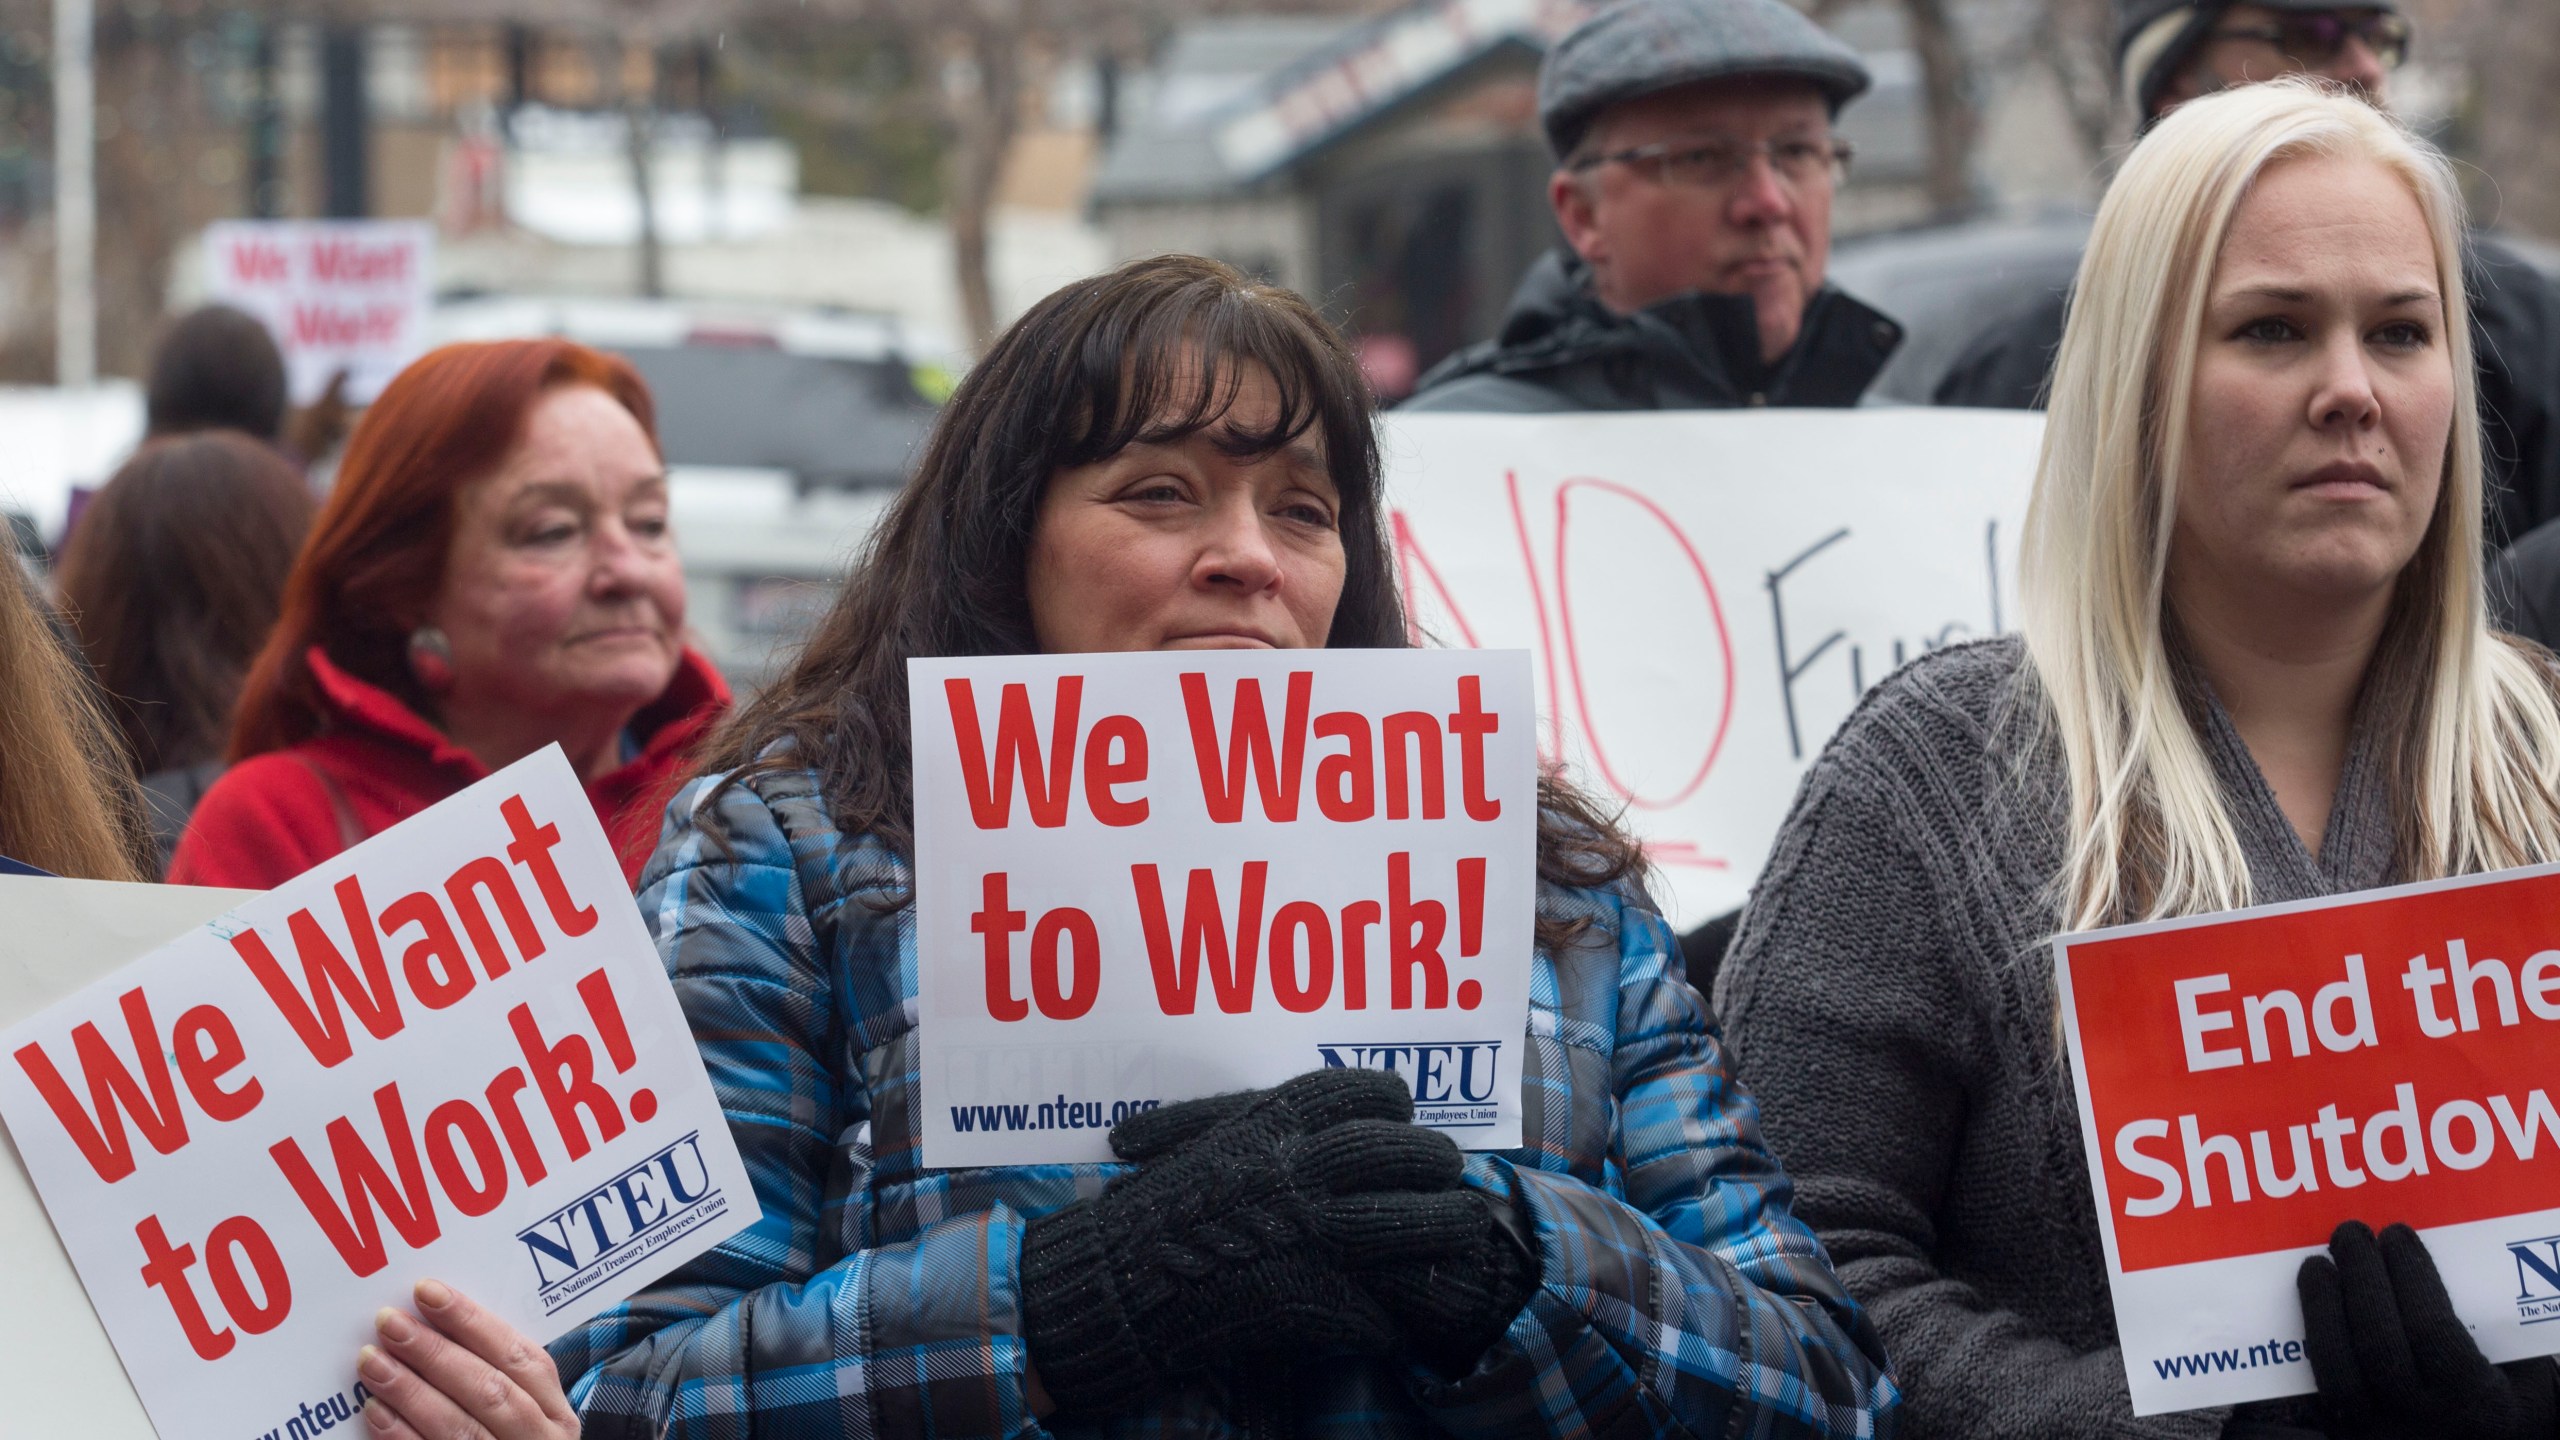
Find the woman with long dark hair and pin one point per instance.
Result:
(172, 580)
(1164, 457)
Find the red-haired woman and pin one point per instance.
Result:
(493, 573)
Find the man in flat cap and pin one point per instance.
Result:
(1694, 178)
(2171, 51)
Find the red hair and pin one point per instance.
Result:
(376, 556)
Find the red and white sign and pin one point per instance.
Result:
(348, 295)
(451, 1051)
(2248, 1081)
(1142, 878)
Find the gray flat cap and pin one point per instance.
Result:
(1637, 47)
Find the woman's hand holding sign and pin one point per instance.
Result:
(462, 1373)
(1251, 1228)
(2394, 1360)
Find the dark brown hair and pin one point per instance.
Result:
(67, 798)
(217, 368)
(1152, 352)
(377, 553)
(172, 580)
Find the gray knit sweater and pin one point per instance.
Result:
(1889, 1000)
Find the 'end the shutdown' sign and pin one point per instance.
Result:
(2247, 1081)
(1143, 878)
(346, 295)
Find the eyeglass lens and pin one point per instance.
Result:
(2320, 37)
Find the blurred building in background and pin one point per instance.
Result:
(929, 164)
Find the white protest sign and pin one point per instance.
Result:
(1142, 878)
(348, 295)
(450, 1051)
(2249, 1080)
(1707, 593)
(57, 1365)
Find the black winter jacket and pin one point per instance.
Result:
(1562, 350)
(2515, 333)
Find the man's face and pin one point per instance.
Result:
(2257, 42)
(1664, 222)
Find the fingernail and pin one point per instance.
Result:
(372, 1366)
(395, 1327)
(433, 1294)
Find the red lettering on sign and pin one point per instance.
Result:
(565, 1075)
(314, 1015)
(1248, 747)
(1103, 774)
(990, 780)
(255, 262)
(164, 1268)
(209, 1048)
(113, 1092)
(530, 845)
(350, 1221)
(2258, 1078)
(1573, 649)
(1204, 928)
(1414, 929)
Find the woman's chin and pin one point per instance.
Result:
(628, 685)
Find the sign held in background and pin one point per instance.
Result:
(1705, 595)
(348, 295)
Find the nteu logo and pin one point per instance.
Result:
(615, 1225)
(2537, 1278)
(1452, 1080)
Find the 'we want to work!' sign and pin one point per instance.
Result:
(2249, 1080)
(450, 1051)
(1143, 878)
(338, 295)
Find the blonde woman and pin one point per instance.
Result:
(67, 799)
(2255, 669)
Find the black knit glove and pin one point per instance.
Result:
(2394, 1361)
(1241, 1235)
(1453, 1308)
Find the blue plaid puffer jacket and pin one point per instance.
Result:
(879, 1298)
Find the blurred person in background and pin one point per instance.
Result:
(2171, 51)
(2255, 668)
(67, 805)
(493, 572)
(217, 368)
(172, 581)
(1695, 169)
(1166, 457)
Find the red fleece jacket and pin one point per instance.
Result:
(378, 762)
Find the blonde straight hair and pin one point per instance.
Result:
(2474, 764)
(67, 797)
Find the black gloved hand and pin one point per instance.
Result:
(1241, 1234)
(2393, 1360)
(1453, 1308)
